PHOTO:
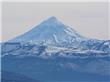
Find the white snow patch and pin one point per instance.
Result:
(68, 32)
(70, 29)
(55, 37)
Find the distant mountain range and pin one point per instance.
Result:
(53, 33)
(15, 77)
(53, 51)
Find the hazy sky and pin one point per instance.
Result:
(89, 19)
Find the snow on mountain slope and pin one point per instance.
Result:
(73, 45)
(50, 31)
(43, 51)
(53, 50)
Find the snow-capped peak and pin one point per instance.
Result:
(53, 18)
(50, 31)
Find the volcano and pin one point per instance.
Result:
(52, 52)
(50, 31)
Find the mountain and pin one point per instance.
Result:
(60, 69)
(55, 37)
(15, 77)
(54, 52)
(50, 31)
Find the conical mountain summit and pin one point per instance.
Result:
(50, 31)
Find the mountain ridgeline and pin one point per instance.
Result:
(52, 51)
(51, 31)
(54, 33)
